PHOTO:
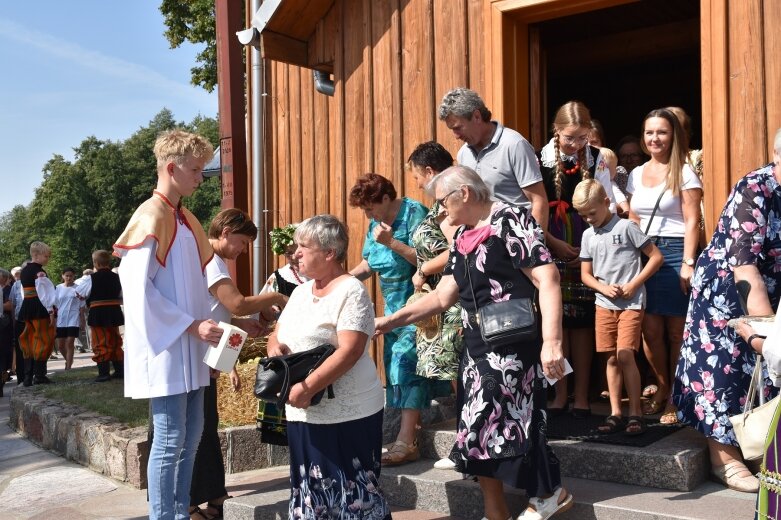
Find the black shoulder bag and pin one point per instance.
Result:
(277, 374)
(506, 322)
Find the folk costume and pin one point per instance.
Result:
(164, 253)
(103, 292)
(37, 338)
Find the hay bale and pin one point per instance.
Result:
(238, 408)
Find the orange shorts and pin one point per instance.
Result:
(618, 329)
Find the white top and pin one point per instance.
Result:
(161, 358)
(217, 270)
(771, 351)
(68, 306)
(668, 221)
(308, 322)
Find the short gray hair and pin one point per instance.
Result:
(4, 275)
(456, 176)
(777, 142)
(326, 232)
(462, 102)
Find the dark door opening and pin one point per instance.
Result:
(622, 62)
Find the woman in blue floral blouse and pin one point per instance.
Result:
(715, 365)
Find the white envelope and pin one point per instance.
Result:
(224, 355)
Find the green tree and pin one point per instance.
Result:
(193, 21)
(84, 205)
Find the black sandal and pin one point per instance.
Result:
(218, 507)
(612, 424)
(635, 425)
(201, 514)
(581, 413)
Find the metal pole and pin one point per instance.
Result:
(257, 100)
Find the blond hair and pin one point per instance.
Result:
(39, 248)
(571, 113)
(175, 146)
(587, 192)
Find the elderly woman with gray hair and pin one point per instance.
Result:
(335, 446)
(498, 255)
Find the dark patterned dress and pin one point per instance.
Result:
(439, 351)
(502, 423)
(565, 224)
(715, 365)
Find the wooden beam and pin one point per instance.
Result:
(275, 46)
(233, 137)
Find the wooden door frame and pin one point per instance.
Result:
(508, 80)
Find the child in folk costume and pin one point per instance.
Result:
(103, 293)
(37, 315)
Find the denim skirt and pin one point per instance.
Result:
(663, 289)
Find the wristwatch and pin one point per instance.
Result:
(689, 262)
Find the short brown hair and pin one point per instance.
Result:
(235, 221)
(101, 258)
(370, 188)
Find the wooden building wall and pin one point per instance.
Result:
(392, 62)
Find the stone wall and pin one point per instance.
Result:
(116, 450)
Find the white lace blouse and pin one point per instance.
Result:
(309, 321)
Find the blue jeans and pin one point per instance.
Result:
(178, 424)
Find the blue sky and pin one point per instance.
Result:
(79, 68)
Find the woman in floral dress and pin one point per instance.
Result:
(715, 364)
(499, 253)
(439, 352)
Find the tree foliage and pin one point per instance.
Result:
(85, 204)
(193, 21)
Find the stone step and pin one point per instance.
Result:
(417, 488)
(676, 462)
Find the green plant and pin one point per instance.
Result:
(281, 238)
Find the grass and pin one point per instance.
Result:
(77, 387)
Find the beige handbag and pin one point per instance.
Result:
(753, 425)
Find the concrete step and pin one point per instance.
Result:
(417, 492)
(676, 462)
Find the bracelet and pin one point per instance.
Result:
(753, 337)
(420, 272)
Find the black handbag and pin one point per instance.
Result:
(506, 322)
(277, 374)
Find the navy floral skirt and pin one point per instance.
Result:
(335, 470)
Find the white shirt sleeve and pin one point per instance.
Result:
(84, 289)
(771, 351)
(47, 293)
(161, 321)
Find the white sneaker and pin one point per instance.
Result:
(542, 508)
(444, 464)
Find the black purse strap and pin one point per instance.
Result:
(285, 390)
(656, 207)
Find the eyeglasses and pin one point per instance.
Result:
(570, 139)
(442, 200)
(629, 156)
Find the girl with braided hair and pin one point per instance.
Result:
(565, 161)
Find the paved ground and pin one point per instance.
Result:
(38, 484)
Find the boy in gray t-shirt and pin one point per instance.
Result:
(612, 266)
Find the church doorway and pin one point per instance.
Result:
(621, 61)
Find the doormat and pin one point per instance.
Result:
(567, 427)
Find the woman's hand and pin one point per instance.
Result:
(382, 326)
(235, 380)
(560, 249)
(745, 331)
(552, 359)
(275, 348)
(383, 234)
(686, 274)
(300, 395)
(418, 281)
